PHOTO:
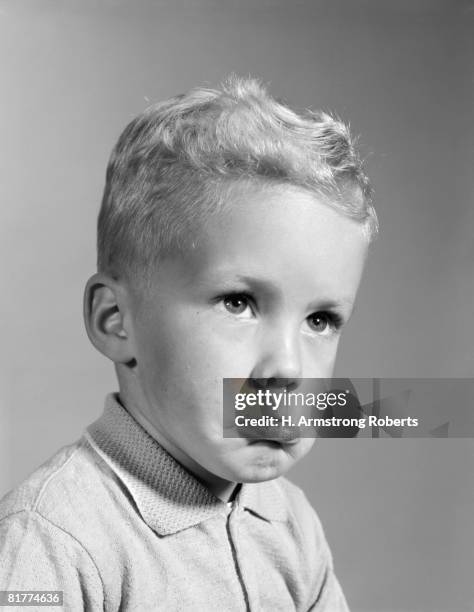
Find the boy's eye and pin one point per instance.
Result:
(236, 303)
(320, 322)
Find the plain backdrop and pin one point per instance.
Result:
(398, 513)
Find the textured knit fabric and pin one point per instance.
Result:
(117, 524)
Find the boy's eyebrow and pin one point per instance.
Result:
(264, 286)
(340, 304)
(269, 288)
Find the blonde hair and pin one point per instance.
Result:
(172, 163)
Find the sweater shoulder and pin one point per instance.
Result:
(69, 473)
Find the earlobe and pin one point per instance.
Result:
(104, 318)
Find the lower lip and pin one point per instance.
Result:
(275, 443)
(282, 435)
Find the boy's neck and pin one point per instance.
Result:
(222, 489)
(226, 493)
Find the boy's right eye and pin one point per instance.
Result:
(237, 304)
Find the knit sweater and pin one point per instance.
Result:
(116, 523)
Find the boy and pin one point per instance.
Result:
(231, 241)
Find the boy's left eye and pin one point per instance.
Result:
(321, 322)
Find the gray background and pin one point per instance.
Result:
(398, 513)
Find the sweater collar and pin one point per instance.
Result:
(168, 497)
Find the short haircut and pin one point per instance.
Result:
(172, 164)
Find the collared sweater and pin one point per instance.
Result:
(116, 524)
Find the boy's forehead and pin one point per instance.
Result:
(273, 240)
(286, 224)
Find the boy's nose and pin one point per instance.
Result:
(279, 360)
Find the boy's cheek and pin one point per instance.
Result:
(303, 448)
(218, 355)
(319, 359)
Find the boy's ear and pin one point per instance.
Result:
(105, 318)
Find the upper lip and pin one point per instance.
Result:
(277, 384)
(286, 437)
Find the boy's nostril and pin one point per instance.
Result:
(274, 383)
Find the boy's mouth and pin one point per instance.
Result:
(280, 435)
(275, 442)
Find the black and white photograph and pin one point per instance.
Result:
(237, 250)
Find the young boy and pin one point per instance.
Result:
(231, 241)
